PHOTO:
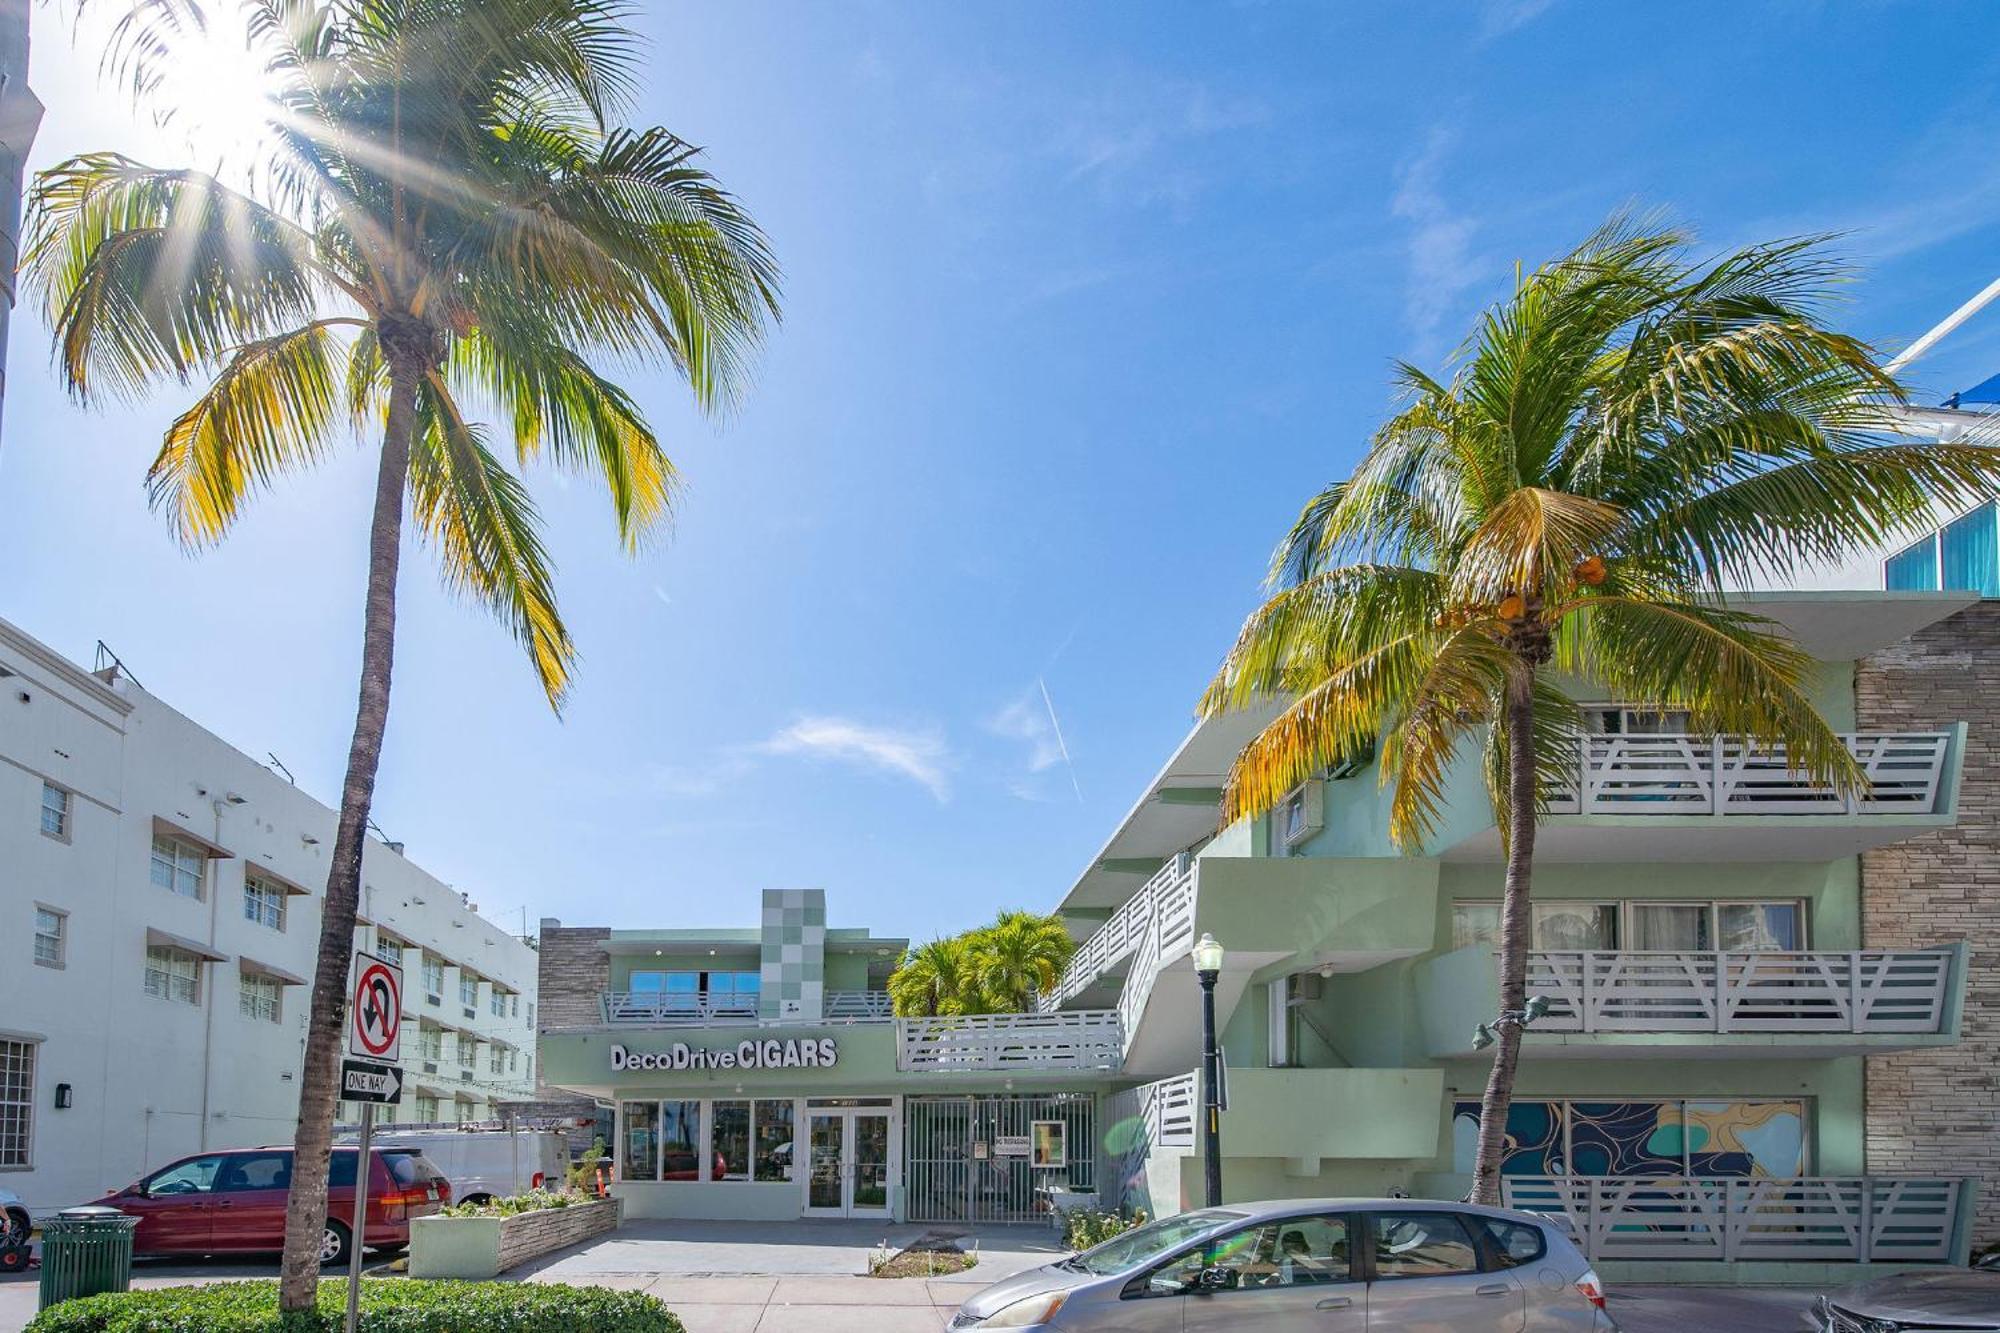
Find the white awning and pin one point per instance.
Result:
(166, 939)
(250, 965)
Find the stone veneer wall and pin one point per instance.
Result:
(574, 971)
(1935, 1111)
(526, 1236)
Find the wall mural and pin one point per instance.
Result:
(1652, 1138)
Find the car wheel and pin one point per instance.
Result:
(333, 1244)
(15, 1227)
(477, 1199)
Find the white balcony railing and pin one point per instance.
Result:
(660, 1009)
(1169, 893)
(1838, 1219)
(1860, 990)
(1667, 774)
(1024, 1043)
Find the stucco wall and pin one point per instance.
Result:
(1936, 1110)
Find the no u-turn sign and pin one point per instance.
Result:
(375, 1010)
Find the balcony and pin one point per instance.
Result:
(660, 1009)
(1612, 1004)
(1667, 796)
(1160, 914)
(1081, 1039)
(1826, 1219)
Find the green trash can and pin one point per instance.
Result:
(86, 1251)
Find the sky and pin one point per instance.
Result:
(1082, 303)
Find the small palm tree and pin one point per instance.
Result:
(1022, 955)
(453, 221)
(939, 979)
(1621, 440)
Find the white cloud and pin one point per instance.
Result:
(1503, 16)
(1440, 243)
(920, 756)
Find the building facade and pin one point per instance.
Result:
(167, 890)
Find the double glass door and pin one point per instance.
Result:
(847, 1162)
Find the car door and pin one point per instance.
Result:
(1291, 1275)
(249, 1209)
(174, 1207)
(1426, 1276)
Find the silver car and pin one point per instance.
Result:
(1947, 1298)
(1313, 1265)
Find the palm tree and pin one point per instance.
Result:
(939, 979)
(1022, 955)
(1625, 437)
(452, 218)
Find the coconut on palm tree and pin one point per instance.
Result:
(453, 228)
(1623, 439)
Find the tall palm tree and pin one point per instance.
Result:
(1624, 438)
(1021, 955)
(453, 221)
(939, 979)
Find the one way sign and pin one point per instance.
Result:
(382, 1084)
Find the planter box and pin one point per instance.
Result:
(483, 1247)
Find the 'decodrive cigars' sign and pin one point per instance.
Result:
(767, 1053)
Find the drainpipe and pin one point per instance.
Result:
(208, 1026)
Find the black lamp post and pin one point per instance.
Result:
(1207, 964)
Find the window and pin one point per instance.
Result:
(1630, 720)
(1914, 568)
(178, 866)
(496, 1003)
(1298, 816)
(173, 974)
(55, 811)
(496, 1060)
(515, 1007)
(639, 1141)
(427, 1109)
(688, 992)
(194, 1176)
(468, 1051)
(17, 1101)
(1969, 553)
(1656, 926)
(430, 1044)
(256, 1171)
(51, 936)
(1293, 1252)
(531, 1013)
(1516, 1243)
(433, 981)
(468, 989)
(1474, 923)
(390, 951)
(1422, 1245)
(263, 901)
(732, 1140)
(774, 1140)
(680, 1141)
(1560, 925)
(1760, 927)
(260, 997)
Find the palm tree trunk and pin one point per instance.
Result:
(319, 1095)
(1514, 934)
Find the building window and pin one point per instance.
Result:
(263, 901)
(261, 997)
(639, 1141)
(427, 1109)
(496, 1003)
(1914, 568)
(388, 950)
(1969, 553)
(178, 865)
(531, 1013)
(51, 936)
(430, 1044)
(731, 1122)
(698, 992)
(17, 1101)
(173, 974)
(468, 1052)
(433, 981)
(680, 1141)
(468, 990)
(774, 1140)
(496, 1060)
(1655, 926)
(515, 1007)
(55, 811)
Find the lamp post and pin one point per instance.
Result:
(1207, 965)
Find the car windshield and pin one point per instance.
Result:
(1142, 1245)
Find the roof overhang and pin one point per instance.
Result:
(1843, 626)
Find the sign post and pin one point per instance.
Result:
(375, 1041)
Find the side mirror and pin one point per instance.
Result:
(1216, 1279)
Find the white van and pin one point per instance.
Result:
(484, 1164)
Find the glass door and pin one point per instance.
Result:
(868, 1157)
(826, 1164)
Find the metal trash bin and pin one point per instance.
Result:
(86, 1251)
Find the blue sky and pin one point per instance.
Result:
(1082, 303)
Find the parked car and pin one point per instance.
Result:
(486, 1164)
(234, 1202)
(1324, 1265)
(1949, 1298)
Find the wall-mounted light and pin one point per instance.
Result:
(62, 1097)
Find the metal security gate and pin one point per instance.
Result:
(996, 1159)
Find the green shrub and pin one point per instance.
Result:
(581, 1177)
(1085, 1227)
(388, 1305)
(531, 1202)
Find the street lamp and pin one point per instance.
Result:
(1207, 965)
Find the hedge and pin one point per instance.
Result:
(388, 1305)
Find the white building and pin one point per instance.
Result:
(167, 893)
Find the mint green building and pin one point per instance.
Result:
(1694, 1099)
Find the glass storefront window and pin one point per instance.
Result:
(732, 1140)
(639, 1124)
(774, 1140)
(680, 1141)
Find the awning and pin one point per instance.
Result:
(275, 880)
(256, 969)
(186, 834)
(166, 939)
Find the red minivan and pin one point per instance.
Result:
(234, 1202)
